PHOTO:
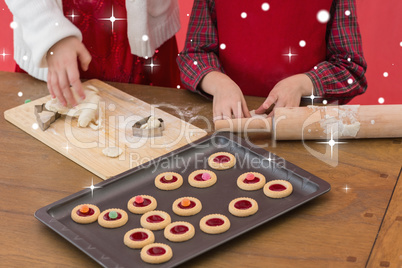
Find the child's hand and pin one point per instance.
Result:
(228, 98)
(63, 69)
(288, 92)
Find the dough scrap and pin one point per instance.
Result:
(86, 110)
(112, 151)
(152, 122)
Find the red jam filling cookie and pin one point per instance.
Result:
(138, 238)
(155, 220)
(251, 181)
(156, 253)
(221, 160)
(243, 207)
(179, 231)
(85, 213)
(186, 206)
(141, 203)
(113, 218)
(278, 189)
(214, 224)
(202, 178)
(168, 181)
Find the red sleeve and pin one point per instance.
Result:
(342, 75)
(200, 53)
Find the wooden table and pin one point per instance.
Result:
(357, 224)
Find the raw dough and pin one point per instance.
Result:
(152, 122)
(112, 151)
(254, 115)
(86, 110)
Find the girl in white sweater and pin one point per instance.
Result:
(130, 41)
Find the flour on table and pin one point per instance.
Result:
(86, 110)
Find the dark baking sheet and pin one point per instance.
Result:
(106, 245)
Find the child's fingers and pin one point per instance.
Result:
(49, 84)
(65, 88)
(238, 110)
(246, 112)
(84, 57)
(74, 78)
(54, 84)
(267, 104)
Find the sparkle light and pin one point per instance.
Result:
(325, 102)
(195, 62)
(25, 57)
(4, 54)
(302, 43)
(323, 16)
(112, 19)
(35, 126)
(346, 188)
(67, 147)
(315, 67)
(400, 44)
(145, 37)
(92, 187)
(349, 59)
(331, 142)
(20, 94)
(152, 65)
(381, 100)
(290, 55)
(243, 15)
(222, 46)
(347, 12)
(265, 6)
(72, 16)
(385, 74)
(350, 81)
(178, 86)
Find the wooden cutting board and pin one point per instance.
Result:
(120, 111)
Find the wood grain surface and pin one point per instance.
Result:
(119, 112)
(356, 224)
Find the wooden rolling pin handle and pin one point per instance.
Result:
(254, 124)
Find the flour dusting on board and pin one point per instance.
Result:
(342, 118)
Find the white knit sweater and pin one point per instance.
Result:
(41, 23)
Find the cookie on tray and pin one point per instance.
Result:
(186, 206)
(179, 231)
(278, 189)
(221, 160)
(85, 213)
(141, 203)
(168, 181)
(251, 181)
(155, 220)
(202, 178)
(243, 207)
(112, 218)
(156, 253)
(214, 224)
(138, 238)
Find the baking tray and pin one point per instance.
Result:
(106, 245)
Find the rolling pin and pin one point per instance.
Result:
(323, 122)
